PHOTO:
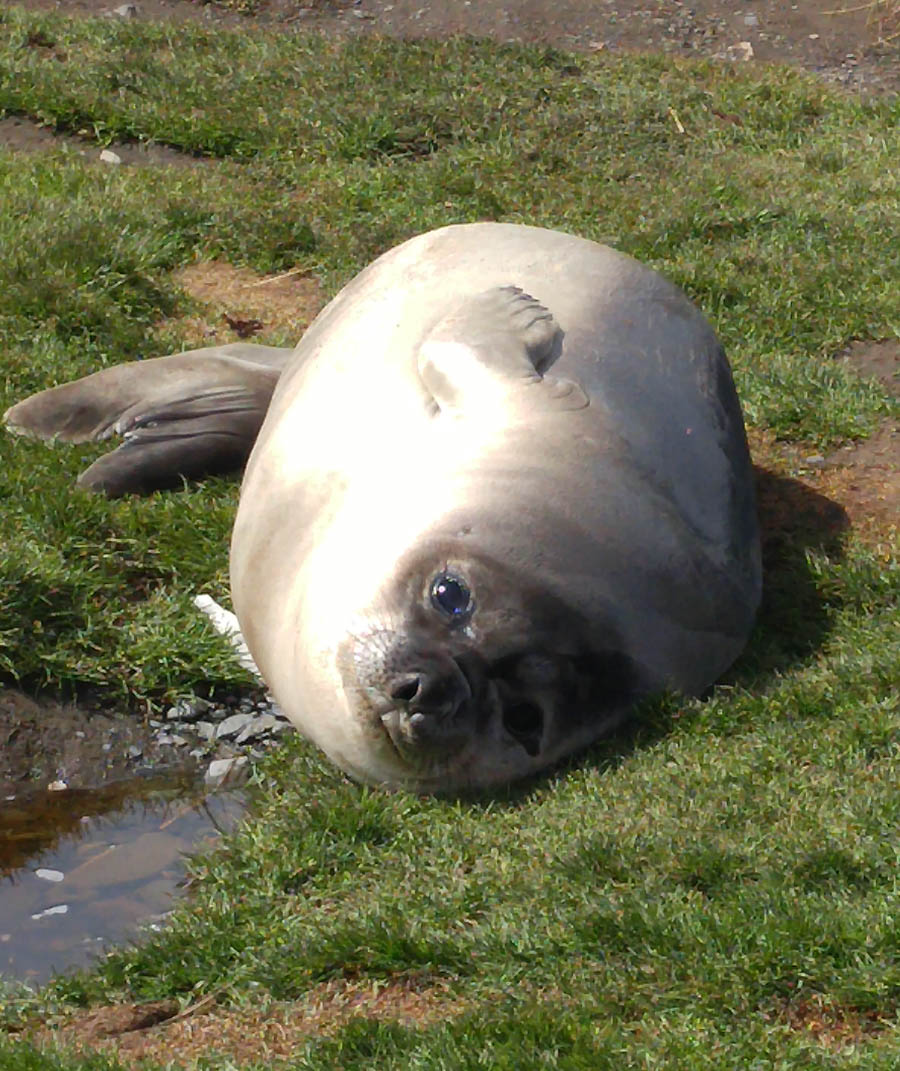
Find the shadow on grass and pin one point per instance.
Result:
(796, 613)
(793, 621)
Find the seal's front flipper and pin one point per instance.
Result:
(188, 415)
(498, 341)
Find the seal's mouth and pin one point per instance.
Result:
(433, 716)
(431, 707)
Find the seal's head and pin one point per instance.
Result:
(475, 677)
(460, 660)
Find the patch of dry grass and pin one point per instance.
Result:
(153, 1032)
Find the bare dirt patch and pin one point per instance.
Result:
(856, 487)
(876, 360)
(42, 742)
(238, 303)
(861, 480)
(25, 135)
(247, 1035)
(853, 44)
(833, 1027)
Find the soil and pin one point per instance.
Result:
(850, 43)
(138, 1033)
(47, 743)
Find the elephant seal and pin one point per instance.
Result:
(501, 492)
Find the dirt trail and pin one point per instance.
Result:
(855, 44)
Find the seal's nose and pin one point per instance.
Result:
(429, 693)
(427, 700)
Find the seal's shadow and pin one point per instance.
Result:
(793, 620)
(796, 614)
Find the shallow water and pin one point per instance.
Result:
(84, 868)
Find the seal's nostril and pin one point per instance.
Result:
(405, 690)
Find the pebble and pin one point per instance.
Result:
(221, 770)
(189, 709)
(125, 11)
(261, 725)
(110, 157)
(233, 725)
(248, 725)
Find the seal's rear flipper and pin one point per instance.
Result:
(188, 415)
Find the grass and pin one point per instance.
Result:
(682, 896)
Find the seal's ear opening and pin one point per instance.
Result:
(187, 415)
(524, 721)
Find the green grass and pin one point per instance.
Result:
(663, 901)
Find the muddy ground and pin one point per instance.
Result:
(853, 43)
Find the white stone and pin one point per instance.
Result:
(110, 157)
(224, 622)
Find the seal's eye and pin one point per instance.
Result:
(450, 595)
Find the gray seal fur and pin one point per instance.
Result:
(501, 492)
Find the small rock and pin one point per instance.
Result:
(743, 50)
(110, 157)
(197, 753)
(165, 739)
(205, 730)
(45, 874)
(816, 461)
(57, 786)
(222, 770)
(125, 11)
(177, 741)
(188, 709)
(261, 725)
(751, 20)
(233, 725)
(135, 752)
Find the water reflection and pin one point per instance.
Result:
(84, 867)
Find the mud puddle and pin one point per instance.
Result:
(98, 808)
(85, 868)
